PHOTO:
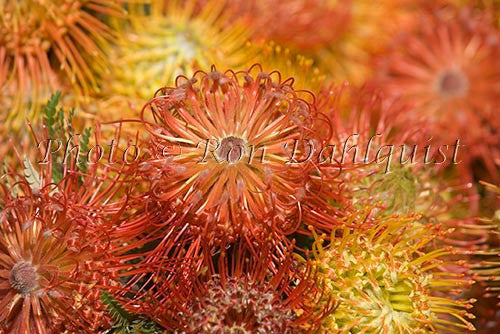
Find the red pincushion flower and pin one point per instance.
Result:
(448, 69)
(53, 244)
(246, 291)
(221, 157)
(42, 264)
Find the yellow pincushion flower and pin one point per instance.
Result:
(172, 38)
(386, 280)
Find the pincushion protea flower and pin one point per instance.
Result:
(175, 37)
(447, 68)
(364, 122)
(386, 282)
(247, 291)
(48, 264)
(30, 31)
(53, 245)
(221, 159)
(340, 36)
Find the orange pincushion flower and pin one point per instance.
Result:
(30, 31)
(491, 6)
(364, 122)
(222, 162)
(47, 264)
(363, 113)
(448, 70)
(53, 243)
(247, 291)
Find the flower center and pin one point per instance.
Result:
(235, 330)
(185, 45)
(399, 296)
(231, 149)
(23, 277)
(453, 83)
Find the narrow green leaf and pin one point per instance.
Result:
(84, 143)
(118, 313)
(50, 111)
(60, 126)
(125, 322)
(31, 175)
(69, 127)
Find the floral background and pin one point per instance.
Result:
(235, 166)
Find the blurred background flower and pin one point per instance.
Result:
(47, 46)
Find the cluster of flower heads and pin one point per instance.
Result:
(268, 166)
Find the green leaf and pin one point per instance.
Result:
(70, 120)
(60, 127)
(125, 322)
(57, 173)
(84, 143)
(119, 314)
(52, 119)
(31, 175)
(50, 111)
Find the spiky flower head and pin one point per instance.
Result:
(173, 38)
(247, 291)
(447, 68)
(387, 282)
(54, 225)
(228, 156)
(492, 7)
(364, 124)
(32, 30)
(50, 247)
(226, 308)
(364, 34)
